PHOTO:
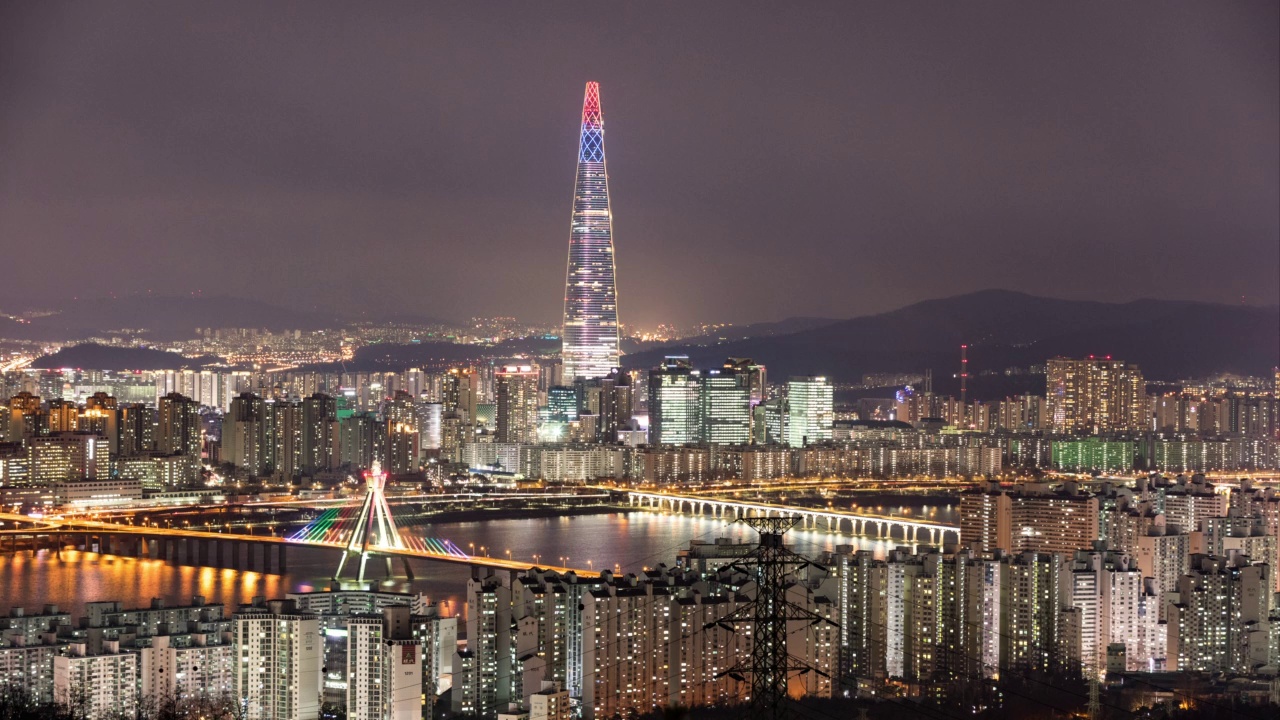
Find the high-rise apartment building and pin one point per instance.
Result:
(28, 663)
(277, 675)
(24, 416)
(516, 391)
(1162, 555)
(1115, 607)
(384, 667)
(188, 667)
(61, 416)
(1034, 635)
(460, 393)
(321, 446)
(1095, 395)
(178, 431)
(137, 430)
(1220, 621)
(363, 440)
(590, 345)
(810, 411)
(100, 684)
(247, 440)
(1033, 517)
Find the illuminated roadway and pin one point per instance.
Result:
(859, 523)
(75, 526)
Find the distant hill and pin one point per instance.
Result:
(734, 333)
(388, 357)
(105, 357)
(1168, 339)
(165, 318)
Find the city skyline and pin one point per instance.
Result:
(885, 158)
(947, 380)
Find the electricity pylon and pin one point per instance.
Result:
(770, 565)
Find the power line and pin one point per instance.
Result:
(770, 612)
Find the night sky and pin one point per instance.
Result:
(767, 160)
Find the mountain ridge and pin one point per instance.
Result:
(1167, 338)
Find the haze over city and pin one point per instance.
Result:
(639, 361)
(766, 161)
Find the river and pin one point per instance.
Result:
(627, 541)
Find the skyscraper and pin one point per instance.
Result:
(590, 336)
(673, 402)
(725, 407)
(809, 410)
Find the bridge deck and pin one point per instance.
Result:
(77, 526)
(794, 509)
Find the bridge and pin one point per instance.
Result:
(884, 526)
(239, 551)
(362, 530)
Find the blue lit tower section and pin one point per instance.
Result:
(590, 337)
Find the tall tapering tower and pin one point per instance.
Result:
(590, 337)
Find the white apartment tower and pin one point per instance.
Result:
(100, 684)
(277, 673)
(384, 667)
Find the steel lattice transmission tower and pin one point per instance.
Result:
(770, 566)
(375, 528)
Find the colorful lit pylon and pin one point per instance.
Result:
(375, 528)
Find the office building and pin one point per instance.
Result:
(591, 339)
(674, 403)
(724, 408)
(810, 414)
(68, 456)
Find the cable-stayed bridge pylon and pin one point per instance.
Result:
(368, 529)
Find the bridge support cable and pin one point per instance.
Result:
(374, 528)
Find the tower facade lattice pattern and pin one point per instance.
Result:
(591, 333)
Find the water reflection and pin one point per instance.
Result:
(623, 541)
